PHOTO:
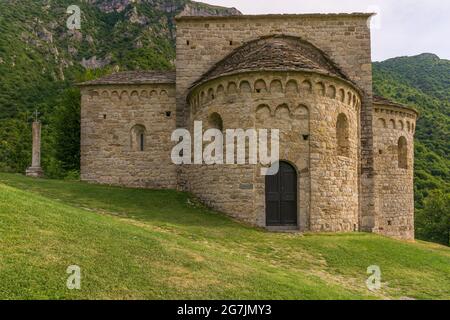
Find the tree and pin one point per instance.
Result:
(67, 130)
(433, 221)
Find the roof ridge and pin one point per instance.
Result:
(135, 77)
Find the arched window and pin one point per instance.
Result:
(402, 153)
(342, 135)
(138, 138)
(215, 121)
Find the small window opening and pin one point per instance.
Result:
(104, 116)
(342, 134)
(402, 153)
(141, 140)
(168, 114)
(138, 138)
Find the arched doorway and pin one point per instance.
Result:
(281, 197)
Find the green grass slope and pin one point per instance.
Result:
(144, 244)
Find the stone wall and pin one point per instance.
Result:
(203, 41)
(394, 170)
(109, 118)
(305, 107)
(354, 160)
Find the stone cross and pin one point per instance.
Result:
(35, 170)
(36, 115)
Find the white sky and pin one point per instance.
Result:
(401, 28)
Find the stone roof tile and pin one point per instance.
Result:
(135, 77)
(386, 102)
(274, 53)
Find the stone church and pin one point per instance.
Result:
(346, 157)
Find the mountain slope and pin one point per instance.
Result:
(40, 59)
(39, 55)
(144, 244)
(425, 72)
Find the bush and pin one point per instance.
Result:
(433, 221)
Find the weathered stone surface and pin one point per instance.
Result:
(135, 77)
(299, 104)
(108, 115)
(394, 205)
(35, 170)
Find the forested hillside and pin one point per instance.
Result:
(41, 59)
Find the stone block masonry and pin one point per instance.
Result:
(125, 135)
(347, 160)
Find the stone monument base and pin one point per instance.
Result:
(35, 172)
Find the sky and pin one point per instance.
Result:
(400, 28)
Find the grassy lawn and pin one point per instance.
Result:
(145, 244)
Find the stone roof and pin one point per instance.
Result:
(386, 102)
(280, 16)
(135, 77)
(274, 53)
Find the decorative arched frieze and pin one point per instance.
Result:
(276, 86)
(331, 92)
(341, 95)
(292, 87)
(124, 95)
(306, 86)
(381, 123)
(245, 87)
(232, 88)
(220, 91)
(144, 94)
(320, 88)
(134, 95)
(210, 95)
(391, 124)
(260, 86)
(105, 94)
